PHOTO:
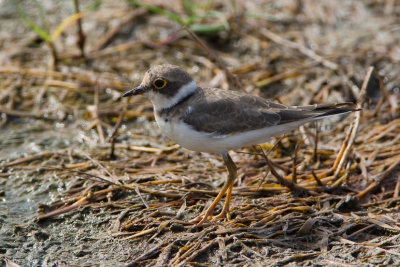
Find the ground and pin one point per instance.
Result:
(87, 179)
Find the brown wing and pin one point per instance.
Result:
(226, 112)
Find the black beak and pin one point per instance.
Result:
(135, 91)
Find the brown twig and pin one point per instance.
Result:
(25, 114)
(301, 48)
(81, 36)
(90, 79)
(147, 254)
(376, 184)
(315, 150)
(280, 76)
(31, 158)
(86, 195)
(382, 89)
(112, 137)
(294, 163)
(316, 178)
(397, 188)
(282, 181)
(348, 143)
(197, 252)
(54, 55)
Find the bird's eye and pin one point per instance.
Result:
(159, 83)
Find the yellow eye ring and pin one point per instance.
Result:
(159, 83)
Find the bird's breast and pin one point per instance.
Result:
(165, 124)
(182, 133)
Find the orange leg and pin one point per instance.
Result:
(224, 214)
(227, 187)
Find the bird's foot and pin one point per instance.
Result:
(199, 220)
(223, 215)
(206, 216)
(203, 217)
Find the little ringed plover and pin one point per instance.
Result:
(216, 120)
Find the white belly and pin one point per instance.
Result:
(191, 139)
(185, 136)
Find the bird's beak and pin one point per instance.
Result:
(135, 91)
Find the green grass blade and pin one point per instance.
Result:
(41, 16)
(93, 6)
(42, 33)
(189, 7)
(172, 16)
(207, 28)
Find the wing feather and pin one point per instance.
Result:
(229, 112)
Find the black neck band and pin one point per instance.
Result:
(180, 102)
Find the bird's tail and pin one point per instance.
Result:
(315, 112)
(326, 110)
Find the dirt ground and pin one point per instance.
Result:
(86, 178)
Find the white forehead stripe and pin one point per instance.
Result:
(161, 101)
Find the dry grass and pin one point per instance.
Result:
(297, 52)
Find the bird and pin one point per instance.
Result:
(217, 120)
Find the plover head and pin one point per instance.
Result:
(165, 85)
